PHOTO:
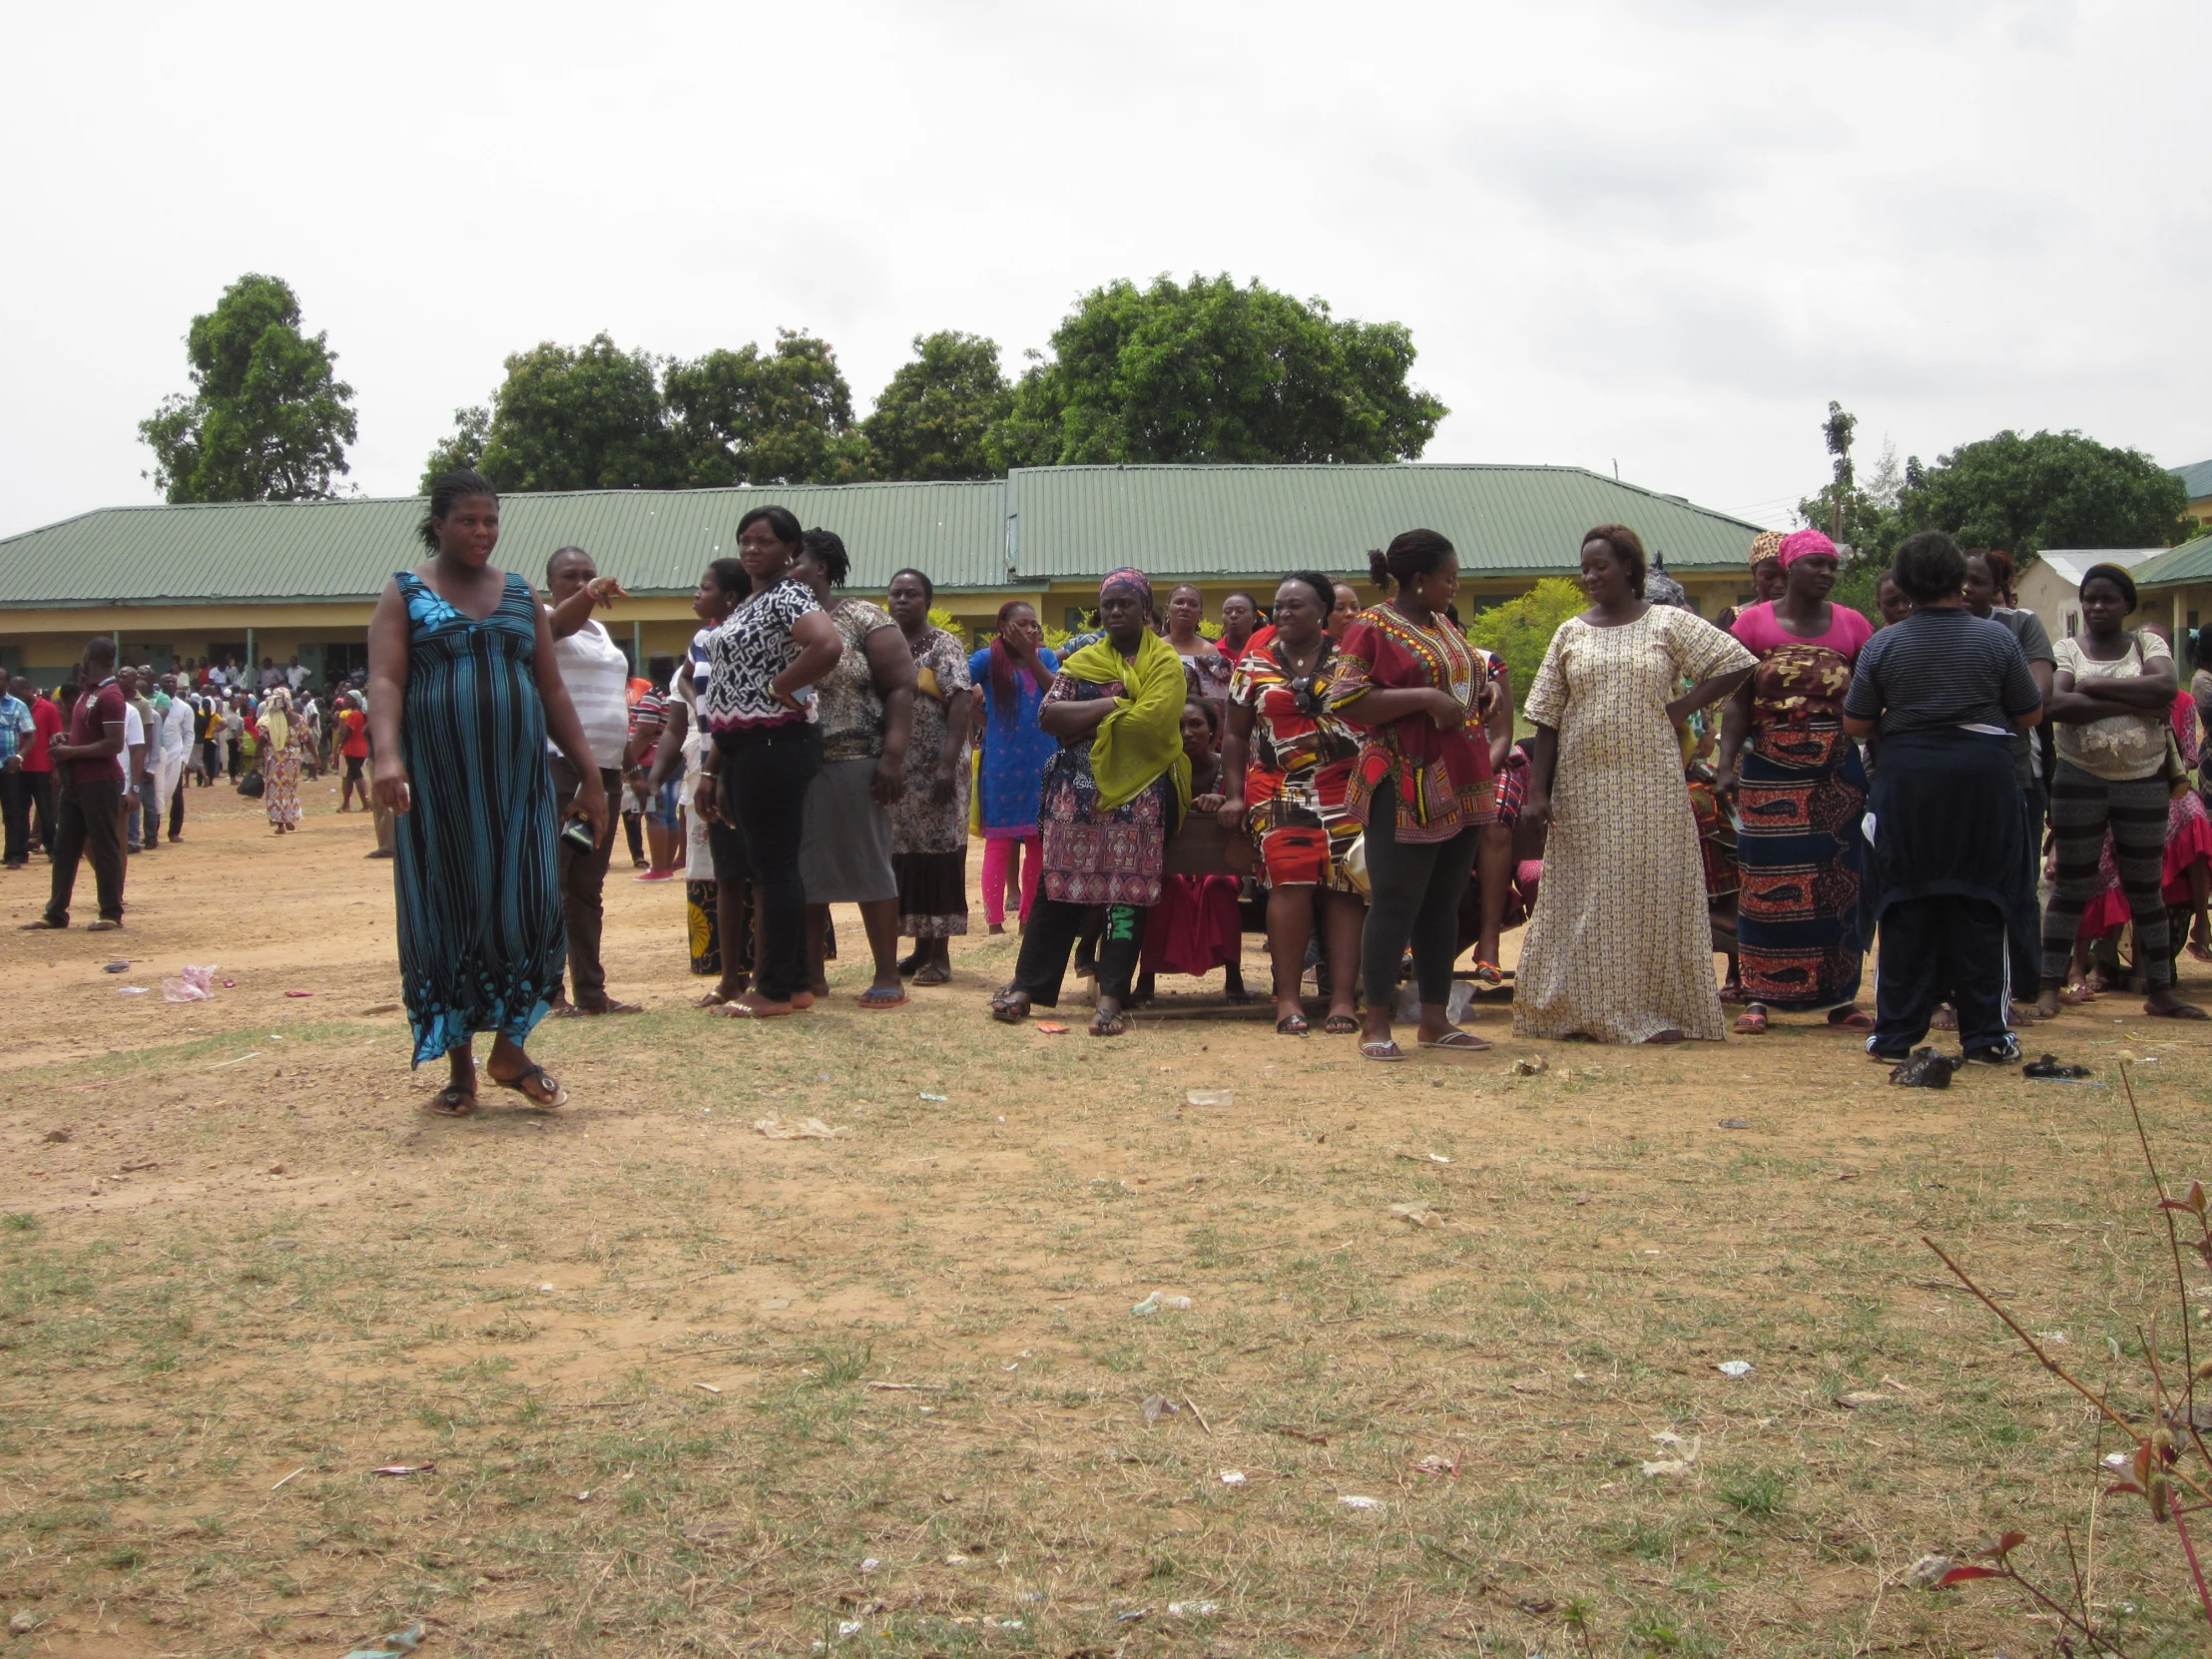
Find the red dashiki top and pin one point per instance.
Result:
(1441, 776)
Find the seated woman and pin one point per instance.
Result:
(1196, 928)
(1117, 788)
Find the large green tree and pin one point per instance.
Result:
(2054, 489)
(748, 416)
(1210, 372)
(933, 420)
(572, 418)
(267, 418)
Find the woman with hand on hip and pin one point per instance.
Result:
(463, 692)
(1620, 948)
(761, 712)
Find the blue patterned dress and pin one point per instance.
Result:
(481, 938)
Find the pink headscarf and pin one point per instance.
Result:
(1803, 544)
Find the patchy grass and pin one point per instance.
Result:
(650, 1354)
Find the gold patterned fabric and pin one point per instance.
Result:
(1620, 946)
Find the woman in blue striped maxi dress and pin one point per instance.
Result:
(464, 690)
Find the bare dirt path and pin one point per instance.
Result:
(689, 1390)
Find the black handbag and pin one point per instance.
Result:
(252, 784)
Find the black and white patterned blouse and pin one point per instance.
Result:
(751, 650)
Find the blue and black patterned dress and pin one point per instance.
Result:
(481, 938)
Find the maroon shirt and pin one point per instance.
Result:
(89, 721)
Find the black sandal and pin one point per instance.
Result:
(1292, 1025)
(1011, 1007)
(453, 1101)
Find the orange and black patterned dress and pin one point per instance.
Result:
(1798, 804)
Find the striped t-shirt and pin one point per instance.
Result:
(1941, 666)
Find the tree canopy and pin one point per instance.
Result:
(267, 418)
(2054, 489)
(1520, 630)
(935, 417)
(777, 417)
(1210, 372)
(573, 419)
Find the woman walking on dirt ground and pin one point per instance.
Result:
(463, 692)
(1111, 796)
(279, 735)
(931, 822)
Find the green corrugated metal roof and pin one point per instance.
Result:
(2190, 562)
(1263, 520)
(1056, 522)
(2196, 478)
(652, 540)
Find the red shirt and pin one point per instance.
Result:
(48, 720)
(356, 733)
(89, 721)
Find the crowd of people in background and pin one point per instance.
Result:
(1791, 787)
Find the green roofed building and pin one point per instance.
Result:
(283, 579)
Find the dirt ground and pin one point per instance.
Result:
(676, 1388)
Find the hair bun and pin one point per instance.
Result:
(1379, 568)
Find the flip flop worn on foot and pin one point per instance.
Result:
(1380, 1049)
(882, 996)
(1752, 1022)
(713, 1000)
(537, 1087)
(2076, 994)
(1010, 1007)
(936, 973)
(1856, 1020)
(1292, 1025)
(453, 1102)
(42, 925)
(1465, 1042)
(1109, 1025)
(1341, 1026)
(1487, 974)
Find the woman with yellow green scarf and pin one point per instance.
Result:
(279, 735)
(1112, 795)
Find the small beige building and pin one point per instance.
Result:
(2051, 586)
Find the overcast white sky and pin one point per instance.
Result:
(1663, 233)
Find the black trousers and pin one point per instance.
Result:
(88, 824)
(1943, 948)
(1413, 892)
(15, 817)
(582, 879)
(177, 807)
(42, 826)
(762, 788)
(1054, 926)
(2024, 941)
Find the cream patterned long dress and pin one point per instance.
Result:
(1620, 946)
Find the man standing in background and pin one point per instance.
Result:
(89, 819)
(17, 728)
(177, 729)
